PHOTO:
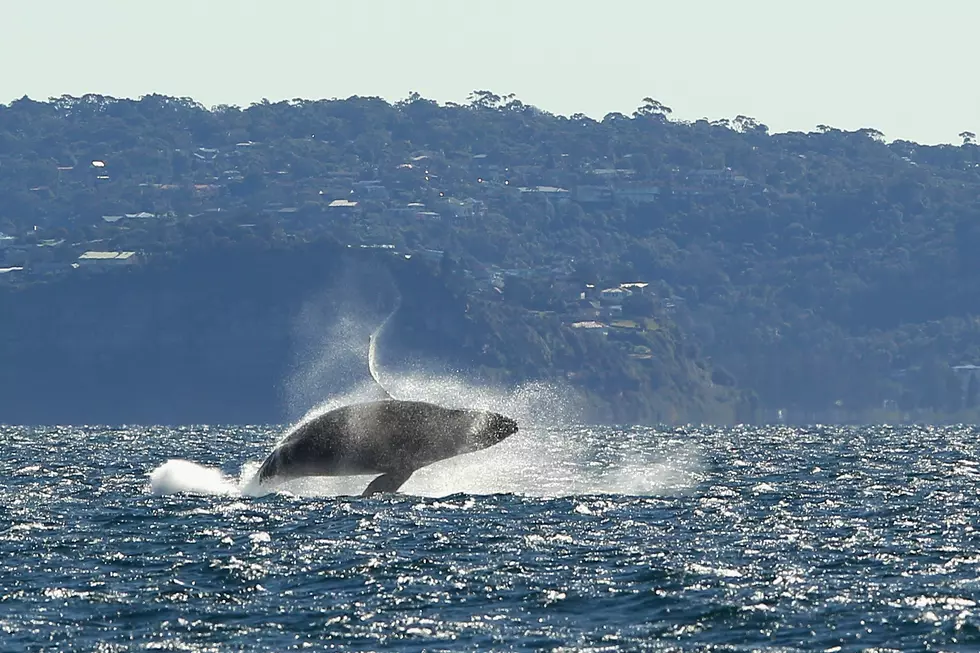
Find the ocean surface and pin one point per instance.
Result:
(570, 538)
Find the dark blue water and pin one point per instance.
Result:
(586, 539)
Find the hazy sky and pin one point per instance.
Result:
(906, 68)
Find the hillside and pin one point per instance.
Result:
(832, 274)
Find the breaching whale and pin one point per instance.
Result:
(390, 437)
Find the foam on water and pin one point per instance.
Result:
(182, 476)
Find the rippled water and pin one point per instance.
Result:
(585, 539)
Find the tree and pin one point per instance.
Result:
(969, 138)
(873, 134)
(653, 108)
(746, 124)
(484, 100)
(639, 306)
(518, 291)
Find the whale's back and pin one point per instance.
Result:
(375, 437)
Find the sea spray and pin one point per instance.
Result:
(548, 457)
(330, 336)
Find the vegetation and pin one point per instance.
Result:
(832, 274)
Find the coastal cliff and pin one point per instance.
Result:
(218, 335)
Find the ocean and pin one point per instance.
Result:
(565, 538)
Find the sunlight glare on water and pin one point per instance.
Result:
(584, 538)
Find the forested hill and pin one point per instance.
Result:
(834, 274)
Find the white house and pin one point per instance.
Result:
(638, 287)
(92, 258)
(614, 295)
(552, 192)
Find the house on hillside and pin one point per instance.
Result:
(723, 177)
(206, 189)
(608, 174)
(637, 194)
(593, 326)
(587, 309)
(466, 208)
(614, 296)
(635, 287)
(342, 207)
(107, 259)
(551, 192)
(590, 194)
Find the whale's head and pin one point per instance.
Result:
(490, 428)
(500, 427)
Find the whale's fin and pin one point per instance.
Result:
(372, 348)
(373, 369)
(389, 482)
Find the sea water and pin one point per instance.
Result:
(567, 538)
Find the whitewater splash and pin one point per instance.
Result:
(540, 461)
(184, 477)
(526, 471)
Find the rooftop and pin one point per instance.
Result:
(106, 256)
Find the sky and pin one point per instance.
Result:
(904, 68)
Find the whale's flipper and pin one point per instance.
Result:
(389, 482)
(373, 369)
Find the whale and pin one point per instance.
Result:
(390, 437)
